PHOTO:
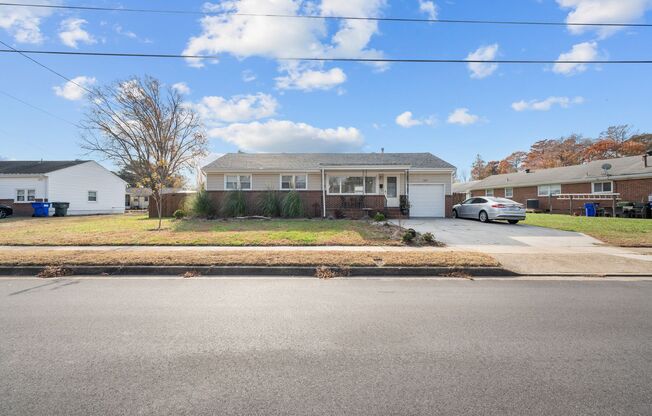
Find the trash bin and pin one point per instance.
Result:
(60, 208)
(647, 211)
(589, 209)
(40, 209)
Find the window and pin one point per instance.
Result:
(509, 192)
(351, 184)
(602, 187)
(92, 196)
(25, 195)
(489, 192)
(294, 182)
(479, 201)
(549, 190)
(370, 184)
(234, 182)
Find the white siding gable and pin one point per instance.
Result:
(73, 184)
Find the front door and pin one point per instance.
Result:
(391, 191)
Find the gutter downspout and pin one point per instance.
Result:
(323, 193)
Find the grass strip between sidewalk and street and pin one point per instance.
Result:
(414, 258)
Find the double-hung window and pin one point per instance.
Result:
(92, 196)
(25, 195)
(297, 182)
(488, 192)
(602, 187)
(237, 182)
(549, 190)
(509, 192)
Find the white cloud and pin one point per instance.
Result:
(244, 36)
(71, 33)
(129, 34)
(407, 120)
(216, 110)
(248, 75)
(481, 70)
(301, 78)
(72, 90)
(23, 23)
(603, 11)
(288, 136)
(584, 51)
(428, 8)
(181, 88)
(547, 104)
(462, 117)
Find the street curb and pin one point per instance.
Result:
(298, 271)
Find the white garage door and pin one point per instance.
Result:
(427, 200)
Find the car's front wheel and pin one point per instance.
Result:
(455, 214)
(3, 214)
(512, 221)
(484, 217)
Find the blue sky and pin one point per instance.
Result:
(252, 101)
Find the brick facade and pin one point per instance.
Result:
(21, 209)
(349, 206)
(634, 190)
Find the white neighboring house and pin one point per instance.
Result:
(89, 187)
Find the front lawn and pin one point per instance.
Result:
(133, 229)
(624, 232)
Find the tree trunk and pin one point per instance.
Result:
(159, 207)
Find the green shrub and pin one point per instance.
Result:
(270, 204)
(428, 238)
(409, 236)
(179, 214)
(379, 217)
(201, 205)
(234, 204)
(292, 205)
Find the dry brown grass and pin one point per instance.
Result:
(414, 258)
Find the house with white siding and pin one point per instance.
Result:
(89, 187)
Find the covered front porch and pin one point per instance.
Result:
(357, 192)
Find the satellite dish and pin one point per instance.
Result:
(606, 166)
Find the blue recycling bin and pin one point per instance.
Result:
(589, 209)
(41, 209)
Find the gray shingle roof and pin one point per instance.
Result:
(315, 161)
(461, 187)
(622, 167)
(35, 167)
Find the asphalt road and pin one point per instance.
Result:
(339, 347)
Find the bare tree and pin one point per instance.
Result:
(145, 128)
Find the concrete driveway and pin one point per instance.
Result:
(534, 250)
(465, 232)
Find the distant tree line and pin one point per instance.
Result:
(616, 141)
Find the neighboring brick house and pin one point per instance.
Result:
(350, 184)
(630, 177)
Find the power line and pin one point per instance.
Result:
(292, 16)
(335, 59)
(6, 94)
(12, 49)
